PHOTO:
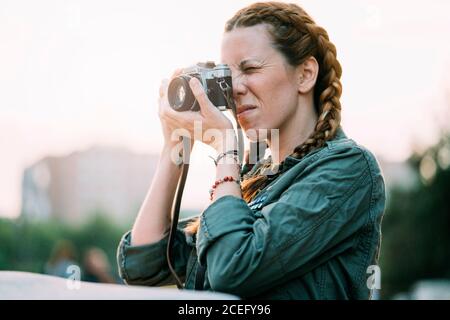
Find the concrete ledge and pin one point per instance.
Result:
(32, 286)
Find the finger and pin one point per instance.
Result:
(168, 112)
(164, 107)
(185, 118)
(199, 92)
(181, 120)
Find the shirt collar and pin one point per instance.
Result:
(291, 161)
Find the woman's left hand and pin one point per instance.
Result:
(209, 125)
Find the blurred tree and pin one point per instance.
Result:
(416, 226)
(27, 245)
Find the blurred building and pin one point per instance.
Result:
(114, 181)
(71, 188)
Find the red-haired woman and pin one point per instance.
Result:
(308, 230)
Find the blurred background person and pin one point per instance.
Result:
(62, 257)
(96, 267)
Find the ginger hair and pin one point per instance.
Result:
(297, 37)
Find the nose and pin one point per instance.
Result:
(239, 87)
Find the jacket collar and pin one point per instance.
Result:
(291, 161)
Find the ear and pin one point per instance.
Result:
(307, 75)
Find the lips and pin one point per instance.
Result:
(245, 108)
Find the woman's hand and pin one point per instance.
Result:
(209, 125)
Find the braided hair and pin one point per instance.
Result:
(295, 35)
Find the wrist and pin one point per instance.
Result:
(220, 181)
(226, 142)
(176, 146)
(228, 157)
(174, 155)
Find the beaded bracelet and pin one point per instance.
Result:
(217, 182)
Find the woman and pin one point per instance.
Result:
(308, 230)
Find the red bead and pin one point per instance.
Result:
(217, 182)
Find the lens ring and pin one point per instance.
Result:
(180, 95)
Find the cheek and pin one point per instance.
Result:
(278, 99)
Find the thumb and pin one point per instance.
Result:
(201, 96)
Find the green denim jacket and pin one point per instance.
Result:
(310, 234)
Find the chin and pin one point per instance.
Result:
(256, 134)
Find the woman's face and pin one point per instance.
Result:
(264, 84)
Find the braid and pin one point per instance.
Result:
(295, 34)
(327, 92)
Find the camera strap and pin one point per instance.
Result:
(184, 158)
(227, 92)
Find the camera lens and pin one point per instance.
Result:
(180, 95)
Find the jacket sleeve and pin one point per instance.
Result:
(146, 265)
(248, 253)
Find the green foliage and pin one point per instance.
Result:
(416, 228)
(27, 245)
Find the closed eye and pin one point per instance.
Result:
(250, 69)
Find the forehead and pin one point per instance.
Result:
(246, 43)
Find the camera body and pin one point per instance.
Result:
(215, 80)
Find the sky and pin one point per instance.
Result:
(74, 74)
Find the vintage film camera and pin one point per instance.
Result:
(216, 81)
